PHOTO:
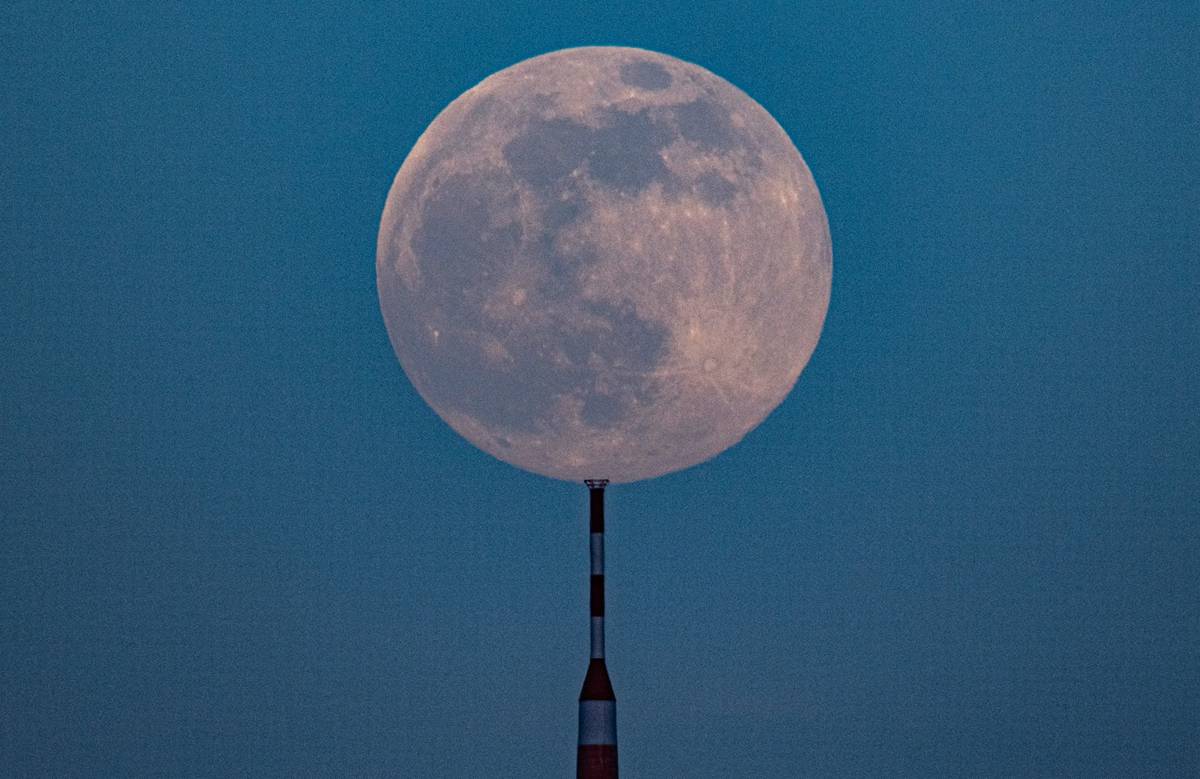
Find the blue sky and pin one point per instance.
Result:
(234, 541)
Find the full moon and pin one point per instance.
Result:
(604, 262)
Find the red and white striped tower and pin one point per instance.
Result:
(597, 704)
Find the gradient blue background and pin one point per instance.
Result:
(235, 542)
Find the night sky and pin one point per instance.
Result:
(234, 541)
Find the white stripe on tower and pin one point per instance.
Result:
(597, 757)
(597, 546)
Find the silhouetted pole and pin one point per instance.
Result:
(597, 704)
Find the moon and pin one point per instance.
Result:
(604, 262)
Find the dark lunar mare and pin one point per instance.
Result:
(456, 243)
(715, 189)
(624, 152)
(707, 124)
(548, 150)
(645, 74)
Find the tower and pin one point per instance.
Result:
(597, 757)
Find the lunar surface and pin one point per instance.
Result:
(604, 263)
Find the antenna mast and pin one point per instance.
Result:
(597, 703)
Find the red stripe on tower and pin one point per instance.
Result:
(597, 703)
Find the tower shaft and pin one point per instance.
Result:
(597, 757)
